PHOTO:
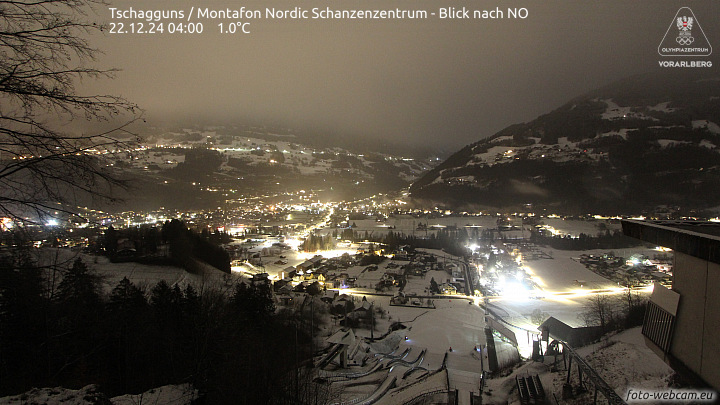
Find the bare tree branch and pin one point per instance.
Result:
(44, 52)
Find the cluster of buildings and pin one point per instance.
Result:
(637, 270)
(369, 271)
(318, 271)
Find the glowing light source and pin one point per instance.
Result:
(515, 291)
(6, 224)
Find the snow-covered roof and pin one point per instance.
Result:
(330, 294)
(573, 336)
(364, 307)
(343, 337)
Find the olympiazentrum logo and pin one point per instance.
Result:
(685, 24)
(685, 38)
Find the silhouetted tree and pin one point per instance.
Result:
(80, 311)
(313, 289)
(23, 312)
(601, 310)
(111, 240)
(127, 311)
(434, 287)
(253, 302)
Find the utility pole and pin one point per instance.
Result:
(312, 325)
(297, 364)
(372, 321)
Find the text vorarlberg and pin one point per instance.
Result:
(686, 63)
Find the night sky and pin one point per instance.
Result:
(419, 83)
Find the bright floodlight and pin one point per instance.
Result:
(515, 291)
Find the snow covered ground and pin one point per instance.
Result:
(454, 329)
(141, 275)
(616, 112)
(88, 395)
(564, 298)
(561, 272)
(709, 125)
(622, 361)
(182, 394)
(455, 324)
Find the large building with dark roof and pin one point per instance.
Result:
(682, 324)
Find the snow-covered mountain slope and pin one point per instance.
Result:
(167, 150)
(209, 166)
(640, 143)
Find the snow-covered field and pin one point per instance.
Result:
(560, 273)
(565, 299)
(141, 275)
